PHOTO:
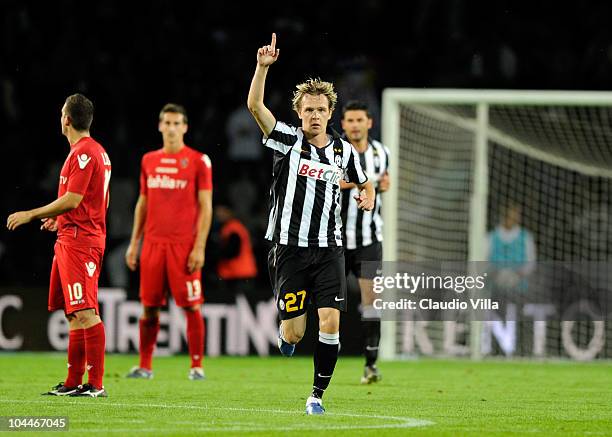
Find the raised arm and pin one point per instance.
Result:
(266, 56)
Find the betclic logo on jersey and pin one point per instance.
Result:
(319, 171)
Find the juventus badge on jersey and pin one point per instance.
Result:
(338, 160)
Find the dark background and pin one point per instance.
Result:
(131, 58)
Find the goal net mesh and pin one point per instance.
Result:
(554, 162)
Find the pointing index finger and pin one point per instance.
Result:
(273, 43)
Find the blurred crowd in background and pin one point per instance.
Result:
(132, 58)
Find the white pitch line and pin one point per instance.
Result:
(402, 422)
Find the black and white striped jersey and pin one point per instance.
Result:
(363, 228)
(305, 202)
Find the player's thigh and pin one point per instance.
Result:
(295, 327)
(79, 270)
(291, 282)
(368, 264)
(350, 262)
(366, 287)
(56, 291)
(186, 287)
(367, 261)
(153, 279)
(329, 279)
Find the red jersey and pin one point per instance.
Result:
(171, 182)
(86, 171)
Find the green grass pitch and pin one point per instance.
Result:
(266, 396)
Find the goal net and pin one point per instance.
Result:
(461, 160)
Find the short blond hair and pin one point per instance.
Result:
(314, 87)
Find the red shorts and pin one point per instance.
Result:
(74, 278)
(163, 266)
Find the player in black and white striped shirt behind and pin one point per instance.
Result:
(307, 263)
(363, 229)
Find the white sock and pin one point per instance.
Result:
(329, 338)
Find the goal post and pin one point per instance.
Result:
(458, 155)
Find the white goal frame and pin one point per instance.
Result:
(392, 100)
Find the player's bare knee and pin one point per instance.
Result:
(329, 321)
(293, 337)
(329, 325)
(150, 313)
(73, 321)
(293, 332)
(194, 308)
(85, 317)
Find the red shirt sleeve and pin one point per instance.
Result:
(143, 178)
(82, 167)
(204, 173)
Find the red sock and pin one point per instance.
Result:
(148, 337)
(76, 358)
(95, 342)
(195, 337)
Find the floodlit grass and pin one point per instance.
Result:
(266, 396)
